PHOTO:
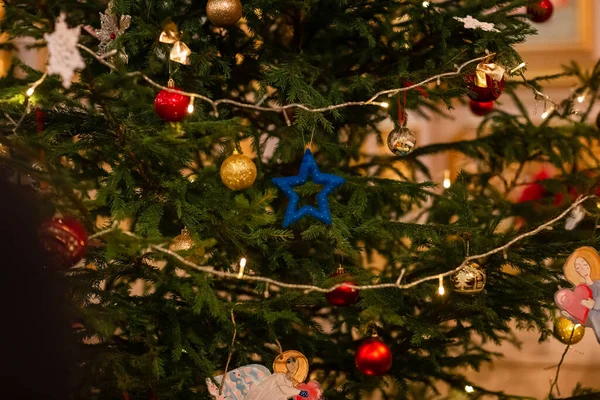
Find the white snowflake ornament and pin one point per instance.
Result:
(111, 28)
(63, 56)
(575, 217)
(472, 23)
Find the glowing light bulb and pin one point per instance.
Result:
(425, 4)
(447, 183)
(30, 91)
(384, 104)
(518, 67)
(191, 107)
(582, 96)
(242, 267)
(549, 111)
(441, 290)
(469, 389)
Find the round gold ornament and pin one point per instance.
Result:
(184, 242)
(238, 171)
(564, 328)
(4, 151)
(224, 12)
(469, 279)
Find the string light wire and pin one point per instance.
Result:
(273, 108)
(312, 288)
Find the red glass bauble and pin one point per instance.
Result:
(65, 239)
(344, 295)
(170, 106)
(484, 94)
(481, 108)
(541, 11)
(373, 357)
(40, 120)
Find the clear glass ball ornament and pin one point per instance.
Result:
(401, 141)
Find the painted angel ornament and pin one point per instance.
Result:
(582, 304)
(238, 382)
(255, 382)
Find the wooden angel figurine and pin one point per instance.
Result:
(582, 304)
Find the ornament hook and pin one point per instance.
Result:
(231, 349)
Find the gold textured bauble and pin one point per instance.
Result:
(4, 151)
(184, 242)
(224, 12)
(469, 279)
(564, 328)
(238, 171)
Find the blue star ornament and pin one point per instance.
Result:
(308, 168)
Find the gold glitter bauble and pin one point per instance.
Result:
(224, 12)
(185, 242)
(4, 151)
(469, 279)
(182, 242)
(564, 327)
(238, 171)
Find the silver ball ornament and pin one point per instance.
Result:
(401, 141)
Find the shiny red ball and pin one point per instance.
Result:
(170, 106)
(343, 296)
(484, 94)
(373, 357)
(65, 239)
(481, 108)
(541, 11)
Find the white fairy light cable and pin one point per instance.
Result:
(398, 284)
(258, 107)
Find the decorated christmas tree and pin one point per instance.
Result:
(223, 229)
